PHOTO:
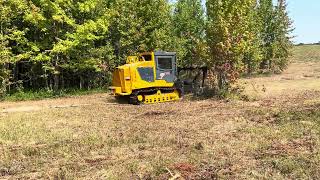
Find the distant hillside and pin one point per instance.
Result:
(306, 53)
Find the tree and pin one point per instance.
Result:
(189, 26)
(252, 41)
(266, 16)
(58, 43)
(5, 51)
(63, 37)
(141, 25)
(283, 40)
(275, 34)
(5, 58)
(229, 37)
(53, 45)
(84, 47)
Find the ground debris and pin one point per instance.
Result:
(155, 113)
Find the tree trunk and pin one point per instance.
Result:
(81, 82)
(270, 64)
(56, 82)
(222, 80)
(56, 75)
(62, 82)
(46, 79)
(50, 82)
(249, 70)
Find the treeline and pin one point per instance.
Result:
(46, 44)
(302, 44)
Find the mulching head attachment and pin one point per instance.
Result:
(193, 78)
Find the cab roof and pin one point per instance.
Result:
(164, 53)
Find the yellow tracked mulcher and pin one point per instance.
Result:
(148, 78)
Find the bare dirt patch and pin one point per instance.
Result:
(30, 106)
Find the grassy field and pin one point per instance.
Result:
(275, 135)
(46, 94)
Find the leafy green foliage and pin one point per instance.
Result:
(141, 25)
(189, 22)
(283, 42)
(58, 39)
(54, 45)
(276, 28)
(230, 37)
(244, 35)
(5, 50)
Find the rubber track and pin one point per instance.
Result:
(134, 99)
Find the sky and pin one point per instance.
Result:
(306, 18)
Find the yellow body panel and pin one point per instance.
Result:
(126, 78)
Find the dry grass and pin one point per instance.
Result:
(303, 74)
(92, 137)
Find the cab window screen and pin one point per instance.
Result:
(147, 57)
(164, 63)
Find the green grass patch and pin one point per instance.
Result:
(46, 94)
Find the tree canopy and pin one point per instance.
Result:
(52, 45)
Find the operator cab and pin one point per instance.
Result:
(148, 78)
(166, 67)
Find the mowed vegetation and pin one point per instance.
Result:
(274, 135)
(303, 74)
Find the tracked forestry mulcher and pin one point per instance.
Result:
(150, 77)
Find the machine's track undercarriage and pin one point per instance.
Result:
(155, 95)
